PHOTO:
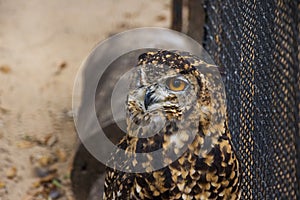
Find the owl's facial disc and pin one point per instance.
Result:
(160, 90)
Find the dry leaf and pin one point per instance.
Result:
(4, 110)
(24, 144)
(48, 178)
(50, 140)
(5, 69)
(161, 18)
(2, 185)
(11, 172)
(61, 155)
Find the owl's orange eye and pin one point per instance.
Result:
(176, 84)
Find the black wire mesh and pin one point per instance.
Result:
(257, 44)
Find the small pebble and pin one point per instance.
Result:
(45, 160)
(63, 65)
(41, 172)
(55, 194)
(11, 172)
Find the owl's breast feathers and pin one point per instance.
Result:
(207, 169)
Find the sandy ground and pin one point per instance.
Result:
(42, 44)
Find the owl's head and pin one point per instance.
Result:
(166, 87)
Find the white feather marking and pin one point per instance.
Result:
(138, 188)
(119, 193)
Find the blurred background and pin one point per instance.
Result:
(42, 45)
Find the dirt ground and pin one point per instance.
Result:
(42, 44)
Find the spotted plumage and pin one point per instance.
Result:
(176, 103)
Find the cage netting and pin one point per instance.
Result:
(257, 44)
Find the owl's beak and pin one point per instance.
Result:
(148, 99)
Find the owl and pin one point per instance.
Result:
(176, 108)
